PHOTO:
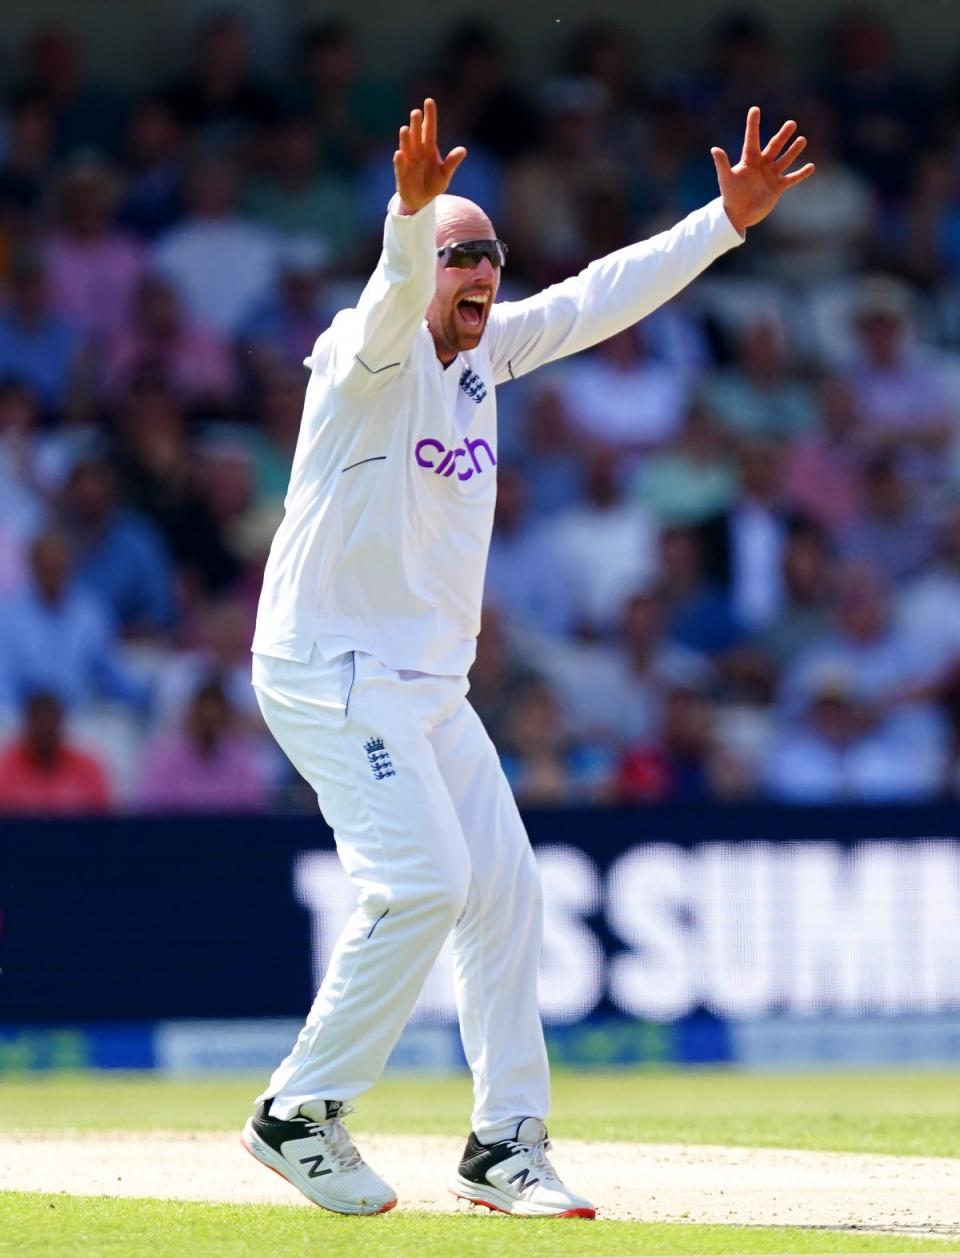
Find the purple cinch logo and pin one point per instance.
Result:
(443, 462)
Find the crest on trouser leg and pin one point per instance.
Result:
(379, 759)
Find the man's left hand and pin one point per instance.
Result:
(753, 187)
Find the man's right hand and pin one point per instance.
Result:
(420, 172)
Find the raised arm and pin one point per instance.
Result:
(374, 339)
(622, 288)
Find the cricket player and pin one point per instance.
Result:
(366, 632)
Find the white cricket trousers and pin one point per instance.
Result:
(428, 831)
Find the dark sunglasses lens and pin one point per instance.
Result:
(466, 257)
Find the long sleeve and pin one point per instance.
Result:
(373, 341)
(609, 295)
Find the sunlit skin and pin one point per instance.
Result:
(750, 189)
(455, 326)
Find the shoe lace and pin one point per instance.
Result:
(537, 1154)
(342, 1149)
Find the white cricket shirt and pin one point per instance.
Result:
(387, 520)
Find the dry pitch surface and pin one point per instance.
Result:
(653, 1183)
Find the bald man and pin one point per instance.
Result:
(366, 632)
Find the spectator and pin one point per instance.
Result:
(671, 179)
(804, 617)
(221, 649)
(761, 397)
(895, 533)
(528, 578)
(622, 396)
(278, 429)
(745, 545)
(207, 766)
(299, 197)
(822, 237)
(608, 54)
(28, 159)
(745, 69)
(678, 765)
(221, 264)
(37, 346)
(352, 111)
(94, 269)
(121, 559)
(42, 773)
(164, 480)
(283, 327)
(898, 393)
(219, 98)
(496, 674)
(884, 113)
(841, 750)
(606, 543)
(888, 669)
(89, 117)
(153, 199)
(194, 361)
(615, 694)
(929, 606)
(700, 615)
(227, 477)
(12, 559)
(484, 107)
(692, 480)
(548, 458)
(21, 495)
(55, 637)
(822, 469)
(927, 232)
(543, 764)
(547, 188)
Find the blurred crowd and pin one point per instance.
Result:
(726, 556)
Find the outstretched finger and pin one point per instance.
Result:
(751, 137)
(721, 161)
(776, 142)
(416, 132)
(405, 144)
(799, 175)
(429, 124)
(453, 160)
(786, 160)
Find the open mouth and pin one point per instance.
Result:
(471, 310)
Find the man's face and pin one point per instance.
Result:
(862, 606)
(51, 565)
(43, 725)
(461, 304)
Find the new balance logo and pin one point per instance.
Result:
(379, 759)
(472, 385)
(522, 1175)
(315, 1171)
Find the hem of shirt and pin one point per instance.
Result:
(282, 651)
(330, 646)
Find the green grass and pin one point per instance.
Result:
(916, 1113)
(881, 1113)
(42, 1224)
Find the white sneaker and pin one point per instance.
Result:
(319, 1158)
(516, 1177)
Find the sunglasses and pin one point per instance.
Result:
(468, 254)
